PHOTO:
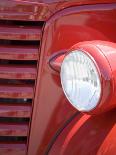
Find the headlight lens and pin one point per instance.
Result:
(81, 81)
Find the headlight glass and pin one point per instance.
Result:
(81, 81)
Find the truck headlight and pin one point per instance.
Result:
(80, 80)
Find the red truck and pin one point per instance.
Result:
(58, 77)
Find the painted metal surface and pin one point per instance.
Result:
(19, 52)
(20, 33)
(50, 102)
(13, 129)
(38, 9)
(87, 135)
(16, 91)
(13, 149)
(56, 61)
(70, 26)
(15, 110)
(18, 71)
(19, 57)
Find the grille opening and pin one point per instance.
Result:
(20, 42)
(15, 101)
(18, 62)
(14, 120)
(16, 82)
(21, 23)
(24, 53)
(12, 139)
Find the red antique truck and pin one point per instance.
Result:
(57, 77)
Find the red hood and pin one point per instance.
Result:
(38, 9)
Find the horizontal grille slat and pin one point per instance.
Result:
(16, 91)
(10, 129)
(15, 110)
(19, 60)
(17, 71)
(20, 32)
(18, 52)
(12, 148)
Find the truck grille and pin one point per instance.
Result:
(19, 57)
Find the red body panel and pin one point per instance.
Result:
(39, 10)
(64, 29)
(88, 135)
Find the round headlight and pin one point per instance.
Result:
(80, 80)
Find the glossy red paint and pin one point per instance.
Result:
(56, 61)
(63, 30)
(38, 10)
(87, 135)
